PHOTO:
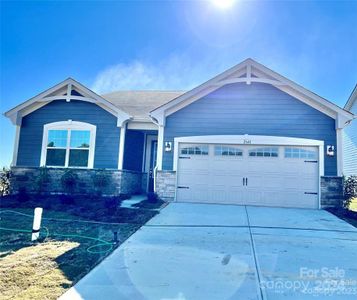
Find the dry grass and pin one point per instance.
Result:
(46, 269)
(33, 273)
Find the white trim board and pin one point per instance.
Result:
(160, 147)
(69, 125)
(142, 125)
(121, 146)
(339, 151)
(250, 71)
(62, 91)
(16, 146)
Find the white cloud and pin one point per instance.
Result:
(176, 72)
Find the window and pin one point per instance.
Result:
(195, 150)
(222, 150)
(264, 152)
(300, 153)
(68, 144)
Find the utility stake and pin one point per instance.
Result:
(36, 224)
(115, 239)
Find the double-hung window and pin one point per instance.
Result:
(68, 144)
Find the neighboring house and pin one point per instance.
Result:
(247, 136)
(350, 138)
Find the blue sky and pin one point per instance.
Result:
(112, 45)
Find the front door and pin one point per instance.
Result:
(153, 156)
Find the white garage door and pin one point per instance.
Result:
(284, 176)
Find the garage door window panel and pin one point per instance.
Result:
(222, 150)
(300, 153)
(264, 152)
(195, 150)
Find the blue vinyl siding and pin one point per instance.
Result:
(256, 109)
(350, 146)
(107, 135)
(133, 151)
(134, 148)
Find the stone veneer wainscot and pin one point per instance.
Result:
(119, 181)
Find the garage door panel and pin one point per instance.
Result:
(281, 176)
(222, 179)
(218, 194)
(199, 190)
(289, 181)
(197, 163)
(262, 165)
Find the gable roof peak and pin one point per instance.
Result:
(249, 71)
(63, 91)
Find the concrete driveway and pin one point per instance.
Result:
(207, 251)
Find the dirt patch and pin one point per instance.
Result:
(69, 234)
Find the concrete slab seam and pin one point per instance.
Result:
(257, 268)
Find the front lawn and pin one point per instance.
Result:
(353, 204)
(71, 231)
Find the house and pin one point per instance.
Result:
(350, 138)
(247, 136)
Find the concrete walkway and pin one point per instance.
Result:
(207, 251)
(128, 203)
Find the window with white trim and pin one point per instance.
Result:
(68, 144)
(300, 153)
(264, 152)
(223, 150)
(195, 150)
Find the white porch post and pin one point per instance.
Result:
(16, 146)
(160, 147)
(339, 146)
(121, 145)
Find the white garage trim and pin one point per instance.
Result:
(339, 148)
(252, 140)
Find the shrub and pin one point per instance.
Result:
(22, 195)
(122, 196)
(66, 200)
(112, 204)
(69, 181)
(4, 182)
(100, 181)
(152, 197)
(350, 190)
(42, 178)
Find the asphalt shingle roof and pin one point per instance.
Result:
(139, 103)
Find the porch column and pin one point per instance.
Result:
(121, 145)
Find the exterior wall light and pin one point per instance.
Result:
(168, 146)
(330, 150)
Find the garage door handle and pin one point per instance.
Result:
(311, 161)
(183, 187)
(243, 181)
(310, 193)
(246, 181)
